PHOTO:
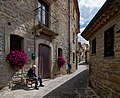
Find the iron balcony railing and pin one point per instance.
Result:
(44, 18)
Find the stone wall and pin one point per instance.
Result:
(73, 34)
(16, 18)
(105, 71)
(60, 10)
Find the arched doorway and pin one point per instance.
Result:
(44, 61)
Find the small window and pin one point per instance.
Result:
(73, 13)
(109, 42)
(73, 37)
(59, 52)
(16, 42)
(73, 57)
(94, 46)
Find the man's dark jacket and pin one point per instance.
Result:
(31, 73)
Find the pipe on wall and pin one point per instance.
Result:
(69, 26)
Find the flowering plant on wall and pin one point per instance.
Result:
(61, 61)
(17, 59)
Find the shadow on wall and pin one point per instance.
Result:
(7, 75)
(55, 70)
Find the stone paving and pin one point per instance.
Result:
(74, 85)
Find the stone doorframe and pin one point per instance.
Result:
(43, 41)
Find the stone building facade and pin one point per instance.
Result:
(103, 32)
(74, 30)
(42, 29)
(83, 52)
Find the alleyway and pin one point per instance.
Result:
(69, 86)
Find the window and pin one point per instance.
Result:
(43, 12)
(94, 46)
(59, 52)
(16, 42)
(73, 14)
(73, 37)
(73, 57)
(109, 42)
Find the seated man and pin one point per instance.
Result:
(31, 74)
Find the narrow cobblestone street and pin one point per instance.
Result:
(74, 85)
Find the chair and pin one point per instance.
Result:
(29, 81)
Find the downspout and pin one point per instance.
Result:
(34, 38)
(77, 44)
(76, 51)
(69, 27)
(35, 22)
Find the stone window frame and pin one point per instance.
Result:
(109, 42)
(94, 46)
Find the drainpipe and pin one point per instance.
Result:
(76, 51)
(34, 24)
(69, 27)
(33, 55)
(77, 44)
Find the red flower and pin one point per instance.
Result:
(17, 59)
(61, 61)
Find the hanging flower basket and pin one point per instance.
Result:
(61, 61)
(17, 59)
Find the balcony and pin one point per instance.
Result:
(45, 23)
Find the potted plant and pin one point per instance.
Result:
(17, 59)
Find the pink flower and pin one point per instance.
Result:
(17, 59)
(61, 61)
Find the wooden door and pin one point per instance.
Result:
(44, 61)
